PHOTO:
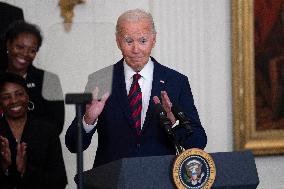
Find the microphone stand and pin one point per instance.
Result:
(177, 143)
(171, 132)
(188, 129)
(79, 100)
(168, 128)
(167, 125)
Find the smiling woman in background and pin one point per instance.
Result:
(23, 41)
(31, 154)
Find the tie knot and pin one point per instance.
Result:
(136, 77)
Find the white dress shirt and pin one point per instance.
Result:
(145, 83)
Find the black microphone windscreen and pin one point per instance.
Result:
(164, 120)
(78, 98)
(159, 109)
(184, 120)
(176, 110)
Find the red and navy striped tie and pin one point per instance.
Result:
(135, 102)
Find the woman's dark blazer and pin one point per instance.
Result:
(46, 94)
(45, 166)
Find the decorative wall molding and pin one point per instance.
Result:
(67, 11)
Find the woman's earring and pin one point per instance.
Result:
(7, 52)
(31, 106)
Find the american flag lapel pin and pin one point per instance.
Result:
(162, 82)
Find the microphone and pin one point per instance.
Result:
(164, 120)
(183, 120)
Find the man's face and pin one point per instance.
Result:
(136, 40)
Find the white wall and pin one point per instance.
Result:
(193, 37)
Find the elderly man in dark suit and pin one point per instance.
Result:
(123, 114)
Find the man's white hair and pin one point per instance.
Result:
(134, 15)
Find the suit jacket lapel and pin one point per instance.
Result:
(119, 90)
(158, 85)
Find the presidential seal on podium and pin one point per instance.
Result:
(194, 169)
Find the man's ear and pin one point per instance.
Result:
(154, 40)
(117, 41)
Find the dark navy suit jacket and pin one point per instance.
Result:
(118, 139)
